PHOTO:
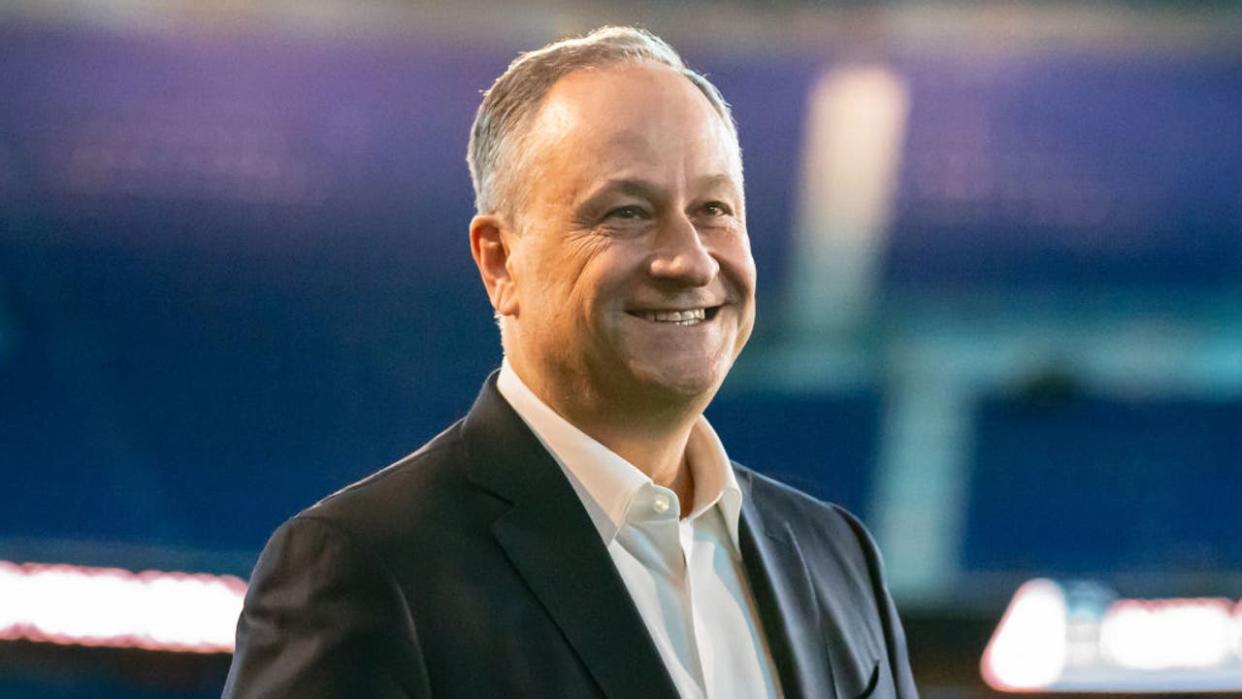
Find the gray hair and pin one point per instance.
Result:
(502, 122)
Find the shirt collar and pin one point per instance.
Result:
(605, 482)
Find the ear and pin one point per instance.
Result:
(489, 245)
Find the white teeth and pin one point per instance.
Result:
(692, 316)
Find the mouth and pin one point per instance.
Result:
(684, 317)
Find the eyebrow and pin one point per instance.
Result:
(634, 187)
(642, 189)
(650, 191)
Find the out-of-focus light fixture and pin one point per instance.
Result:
(1029, 648)
(1082, 638)
(67, 604)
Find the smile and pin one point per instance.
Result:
(687, 317)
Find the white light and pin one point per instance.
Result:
(1237, 629)
(114, 607)
(1163, 634)
(1029, 649)
(1082, 638)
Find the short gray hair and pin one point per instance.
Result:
(508, 106)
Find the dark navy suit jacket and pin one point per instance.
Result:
(471, 569)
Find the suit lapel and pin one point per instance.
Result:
(552, 543)
(781, 585)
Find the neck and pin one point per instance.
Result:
(650, 434)
(657, 448)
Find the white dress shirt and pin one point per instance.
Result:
(685, 575)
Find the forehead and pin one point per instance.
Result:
(636, 109)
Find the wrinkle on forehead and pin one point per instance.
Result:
(643, 147)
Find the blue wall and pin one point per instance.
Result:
(234, 272)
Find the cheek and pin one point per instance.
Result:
(737, 263)
(598, 270)
(576, 284)
(550, 272)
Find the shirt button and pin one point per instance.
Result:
(660, 503)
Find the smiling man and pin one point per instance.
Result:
(581, 532)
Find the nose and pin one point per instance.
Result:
(680, 255)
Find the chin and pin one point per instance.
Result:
(681, 382)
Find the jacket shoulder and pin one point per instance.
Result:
(769, 492)
(827, 522)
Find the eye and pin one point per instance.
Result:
(716, 208)
(628, 213)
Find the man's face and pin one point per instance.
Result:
(631, 270)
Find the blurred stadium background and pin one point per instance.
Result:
(1000, 255)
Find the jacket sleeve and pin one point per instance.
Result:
(894, 634)
(323, 617)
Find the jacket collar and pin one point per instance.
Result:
(784, 595)
(606, 483)
(554, 546)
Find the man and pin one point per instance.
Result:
(581, 532)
